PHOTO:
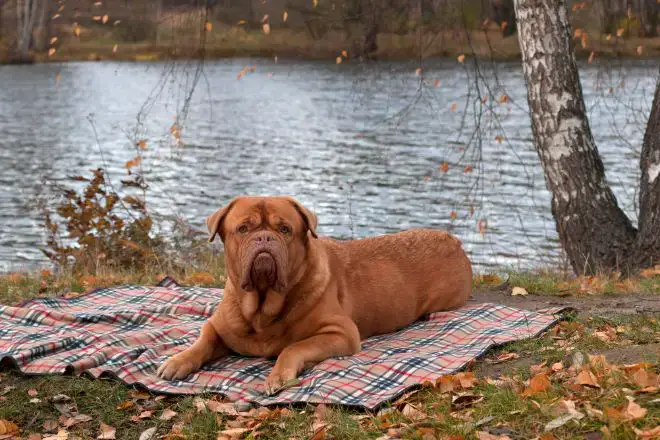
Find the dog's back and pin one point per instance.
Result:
(393, 280)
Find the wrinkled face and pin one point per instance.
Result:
(265, 240)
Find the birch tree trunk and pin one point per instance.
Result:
(26, 14)
(648, 249)
(594, 232)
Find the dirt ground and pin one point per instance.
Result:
(594, 305)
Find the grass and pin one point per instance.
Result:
(500, 409)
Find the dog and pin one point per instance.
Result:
(300, 298)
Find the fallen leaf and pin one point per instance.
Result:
(107, 432)
(483, 435)
(7, 389)
(266, 28)
(134, 162)
(587, 378)
(650, 434)
(339, 60)
(35, 400)
(519, 291)
(78, 418)
(413, 413)
(145, 415)
(619, 32)
(135, 394)
(61, 435)
(50, 425)
(593, 412)
(233, 432)
(537, 384)
(222, 408)
(51, 51)
(557, 366)
(148, 434)
(467, 379)
(633, 411)
(34, 437)
(7, 427)
(167, 414)
(32, 393)
(126, 404)
(53, 40)
(461, 58)
(462, 401)
(562, 420)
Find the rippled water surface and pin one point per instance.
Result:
(361, 145)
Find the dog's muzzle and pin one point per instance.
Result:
(264, 264)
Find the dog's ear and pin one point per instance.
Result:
(214, 221)
(308, 217)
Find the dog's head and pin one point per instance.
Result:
(265, 240)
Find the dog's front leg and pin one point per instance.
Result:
(333, 340)
(207, 347)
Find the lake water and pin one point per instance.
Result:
(359, 144)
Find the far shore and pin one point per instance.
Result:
(332, 47)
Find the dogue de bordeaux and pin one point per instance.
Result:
(298, 297)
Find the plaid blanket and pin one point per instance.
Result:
(127, 332)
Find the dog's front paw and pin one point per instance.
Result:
(176, 367)
(278, 381)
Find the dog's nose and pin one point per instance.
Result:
(263, 237)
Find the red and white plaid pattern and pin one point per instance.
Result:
(128, 332)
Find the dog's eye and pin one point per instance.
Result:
(242, 229)
(284, 229)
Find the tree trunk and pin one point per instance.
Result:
(371, 28)
(649, 188)
(594, 232)
(504, 15)
(26, 12)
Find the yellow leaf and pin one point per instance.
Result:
(107, 432)
(344, 54)
(338, 60)
(461, 58)
(51, 51)
(134, 162)
(608, 37)
(503, 99)
(633, 411)
(142, 143)
(208, 26)
(578, 33)
(640, 49)
(619, 32)
(104, 19)
(53, 40)
(285, 16)
(266, 28)
(126, 404)
(586, 378)
(241, 22)
(114, 48)
(315, 3)
(76, 31)
(8, 428)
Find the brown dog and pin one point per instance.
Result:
(304, 299)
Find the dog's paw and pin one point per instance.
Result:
(176, 367)
(277, 381)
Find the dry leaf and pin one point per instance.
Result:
(483, 435)
(503, 358)
(32, 392)
(126, 404)
(619, 32)
(633, 411)
(344, 54)
(107, 432)
(587, 378)
(461, 58)
(167, 414)
(50, 425)
(221, 408)
(645, 379)
(233, 432)
(285, 16)
(557, 366)
(462, 401)
(79, 418)
(134, 162)
(208, 26)
(467, 379)
(266, 28)
(650, 434)
(315, 3)
(338, 60)
(413, 413)
(467, 169)
(148, 434)
(61, 435)
(51, 51)
(145, 415)
(537, 384)
(142, 144)
(7, 427)
(562, 420)
(445, 384)
(444, 167)
(519, 291)
(104, 19)
(53, 40)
